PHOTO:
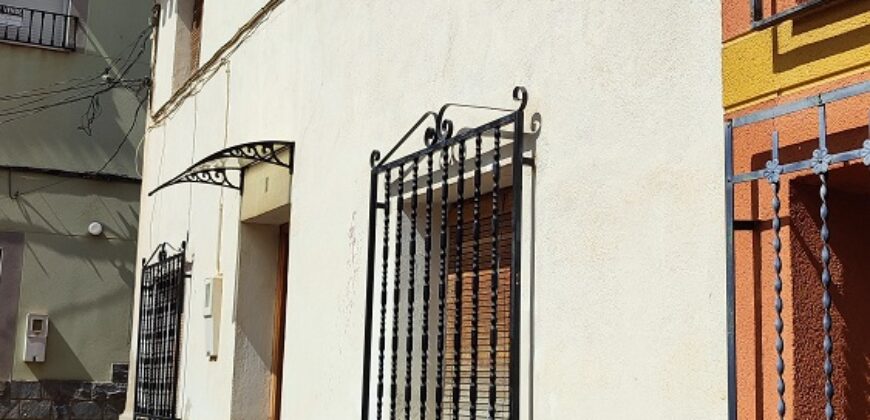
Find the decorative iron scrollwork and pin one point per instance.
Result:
(821, 161)
(214, 168)
(442, 128)
(772, 171)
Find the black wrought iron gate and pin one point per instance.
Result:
(819, 163)
(444, 262)
(160, 308)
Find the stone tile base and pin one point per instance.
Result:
(61, 400)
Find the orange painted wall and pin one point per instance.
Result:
(850, 193)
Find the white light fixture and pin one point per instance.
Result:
(95, 228)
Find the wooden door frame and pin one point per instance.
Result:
(280, 307)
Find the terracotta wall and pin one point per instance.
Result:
(831, 55)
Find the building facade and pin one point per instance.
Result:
(74, 74)
(796, 79)
(262, 236)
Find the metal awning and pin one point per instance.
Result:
(224, 168)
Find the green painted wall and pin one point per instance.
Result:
(50, 139)
(84, 283)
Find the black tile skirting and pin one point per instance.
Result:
(50, 400)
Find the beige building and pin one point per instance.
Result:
(289, 272)
(72, 79)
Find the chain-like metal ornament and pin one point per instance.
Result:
(773, 174)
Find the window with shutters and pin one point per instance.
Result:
(443, 282)
(188, 41)
(500, 294)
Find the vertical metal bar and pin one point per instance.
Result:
(756, 10)
(412, 267)
(180, 311)
(773, 172)
(458, 285)
(730, 272)
(516, 258)
(41, 27)
(30, 27)
(53, 29)
(75, 32)
(163, 300)
(494, 279)
(427, 267)
(385, 261)
(370, 285)
(397, 293)
(475, 284)
(442, 282)
(821, 161)
(137, 398)
(64, 40)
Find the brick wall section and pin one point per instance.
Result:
(49, 400)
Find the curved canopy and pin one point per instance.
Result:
(215, 168)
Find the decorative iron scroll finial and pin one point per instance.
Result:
(374, 158)
(522, 95)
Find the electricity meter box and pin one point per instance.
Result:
(211, 315)
(35, 338)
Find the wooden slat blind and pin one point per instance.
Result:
(503, 323)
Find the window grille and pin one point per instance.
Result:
(160, 309)
(808, 318)
(443, 221)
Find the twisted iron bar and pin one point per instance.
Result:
(475, 284)
(396, 294)
(442, 295)
(772, 172)
(427, 266)
(822, 161)
(412, 267)
(384, 268)
(457, 287)
(494, 279)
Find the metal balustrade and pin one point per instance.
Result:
(42, 28)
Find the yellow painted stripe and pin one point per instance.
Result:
(820, 47)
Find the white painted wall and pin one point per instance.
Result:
(627, 195)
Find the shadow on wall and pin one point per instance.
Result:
(57, 348)
(849, 202)
(815, 51)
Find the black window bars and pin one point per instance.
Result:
(444, 228)
(818, 163)
(38, 27)
(161, 304)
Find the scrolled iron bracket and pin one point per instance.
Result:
(821, 161)
(213, 169)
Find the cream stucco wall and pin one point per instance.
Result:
(625, 210)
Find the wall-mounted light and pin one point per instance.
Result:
(95, 228)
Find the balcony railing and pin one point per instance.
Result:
(759, 21)
(38, 27)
